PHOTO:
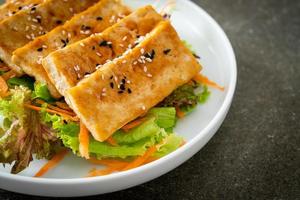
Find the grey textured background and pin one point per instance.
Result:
(256, 152)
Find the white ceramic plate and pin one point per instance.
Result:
(210, 42)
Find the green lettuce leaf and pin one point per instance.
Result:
(170, 144)
(25, 81)
(165, 117)
(41, 92)
(146, 129)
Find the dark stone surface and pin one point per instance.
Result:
(256, 152)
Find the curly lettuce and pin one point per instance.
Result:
(21, 132)
(187, 97)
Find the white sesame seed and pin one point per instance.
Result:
(104, 90)
(145, 69)
(34, 20)
(71, 9)
(109, 42)
(143, 108)
(69, 35)
(148, 60)
(121, 45)
(98, 54)
(81, 44)
(102, 76)
(128, 81)
(149, 75)
(124, 38)
(64, 32)
(142, 50)
(26, 28)
(124, 61)
(44, 46)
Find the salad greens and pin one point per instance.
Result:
(41, 92)
(187, 97)
(21, 133)
(133, 143)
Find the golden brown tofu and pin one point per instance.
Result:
(68, 66)
(10, 8)
(26, 25)
(129, 86)
(93, 20)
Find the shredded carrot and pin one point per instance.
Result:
(203, 79)
(180, 114)
(9, 74)
(63, 106)
(36, 108)
(101, 172)
(150, 159)
(3, 87)
(112, 141)
(109, 162)
(52, 163)
(141, 160)
(117, 165)
(55, 108)
(133, 124)
(84, 140)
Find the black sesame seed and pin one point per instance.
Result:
(167, 51)
(20, 7)
(196, 56)
(14, 12)
(99, 18)
(87, 73)
(40, 49)
(58, 22)
(120, 92)
(150, 55)
(1, 61)
(93, 47)
(85, 28)
(97, 64)
(39, 20)
(111, 77)
(129, 91)
(122, 87)
(104, 43)
(33, 8)
(112, 85)
(123, 81)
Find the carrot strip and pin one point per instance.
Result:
(203, 79)
(133, 124)
(3, 87)
(63, 106)
(109, 162)
(180, 114)
(116, 165)
(32, 107)
(55, 108)
(9, 74)
(102, 172)
(140, 160)
(84, 141)
(51, 163)
(112, 141)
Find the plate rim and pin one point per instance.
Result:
(217, 119)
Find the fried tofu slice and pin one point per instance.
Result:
(68, 66)
(26, 25)
(10, 8)
(128, 87)
(93, 20)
